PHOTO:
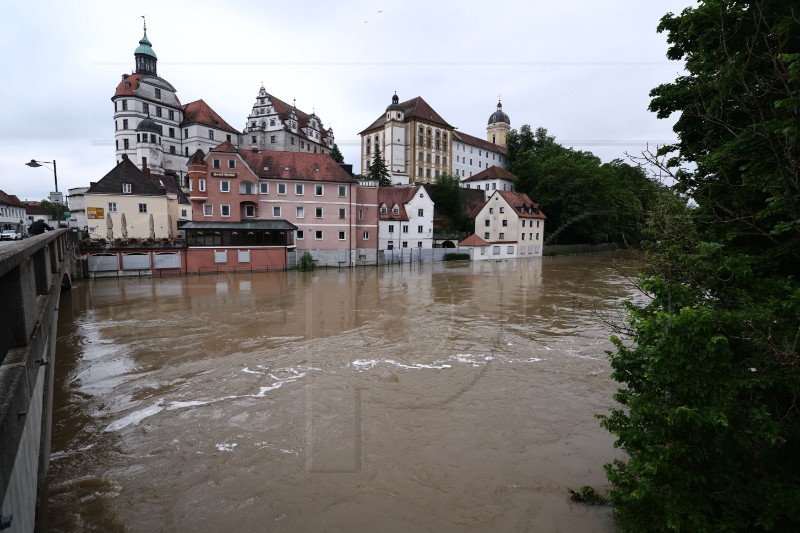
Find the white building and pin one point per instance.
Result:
(418, 145)
(490, 180)
(405, 218)
(12, 213)
(77, 207)
(511, 224)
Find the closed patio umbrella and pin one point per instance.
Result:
(109, 227)
(170, 233)
(124, 224)
(152, 227)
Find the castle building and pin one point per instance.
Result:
(418, 145)
(277, 126)
(154, 130)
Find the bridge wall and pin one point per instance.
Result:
(32, 272)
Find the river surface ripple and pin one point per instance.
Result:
(424, 398)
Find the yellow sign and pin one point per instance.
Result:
(95, 212)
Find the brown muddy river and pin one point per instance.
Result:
(426, 398)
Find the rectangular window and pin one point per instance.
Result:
(145, 108)
(208, 210)
(491, 210)
(505, 223)
(342, 191)
(171, 114)
(216, 163)
(298, 189)
(360, 214)
(318, 234)
(202, 185)
(405, 228)
(228, 138)
(486, 236)
(300, 212)
(158, 93)
(391, 228)
(112, 207)
(318, 190)
(300, 235)
(486, 222)
(495, 250)
(502, 236)
(186, 133)
(510, 250)
(127, 188)
(172, 150)
(537, 235)
(264, 188)
(276, 210)
(502, 209)
(158, 111)
(172, 132)
(183, 213)
(523, 236)
(405, 244)
(143, 208)
(211, 134)
(225, 186)
(318, 212)
(366, 236)
(225, 210)
(341, 212)
(341, 235)
(231, 163)
(272, 139)
(125, 144)
(419, 229)
(124, 123)
(420, 212)
(124, 105)
(249, 210)
(281, 188)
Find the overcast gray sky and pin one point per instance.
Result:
(580, 68)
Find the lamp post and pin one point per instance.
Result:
(34, 163)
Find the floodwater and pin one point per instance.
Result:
(424, 398)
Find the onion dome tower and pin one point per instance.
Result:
(145, 56)
(498, 127)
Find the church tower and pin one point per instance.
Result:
(499, 126)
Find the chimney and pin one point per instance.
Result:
(255, 149)
(145, 168)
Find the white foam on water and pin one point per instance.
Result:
(182, 405)
(366, 364)
(226, 447)
(264, 390)
(134, 418)
(246, 370)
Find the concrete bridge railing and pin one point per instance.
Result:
(32, 273)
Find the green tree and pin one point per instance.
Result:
(54, 210)
(336, 154)
(711, 369)
(447, 195)
(377, 171)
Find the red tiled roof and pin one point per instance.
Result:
(473, 240)
(480, 143)
(521, 202)
(133, 84)
(199, 112)
(34, 208)
(225, 147)
(473, 212)
(492, 173)
(414, 108)
(10, 200)
(390, 196)
(295, 166)
(198, 158)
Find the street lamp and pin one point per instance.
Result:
(56, 198)
(34, 163)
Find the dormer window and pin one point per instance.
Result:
(396, 210)
(383, 210)
(127, 188)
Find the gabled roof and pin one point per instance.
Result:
(492, 173)
(10, 200)
(480, 143)
(391, 196)
(522, 204)
(126, 172)
(199, 112)
(473, 240)
(225, 147)
(34, 208)
(305, 166)
(198, 158)
(414, 108)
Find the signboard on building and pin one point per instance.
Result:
(223, 174)
(95, 212)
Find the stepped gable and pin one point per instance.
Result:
(480, 143)
(305, 166)
(417, 107)
(492, 173)
(395, 195)
(199, 112)
(284, 111)
(126, 172)
(522, 204)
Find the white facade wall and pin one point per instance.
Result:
(13, 217)
(489, 186)
(497, 221)
(77, 207)
(469, 160)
